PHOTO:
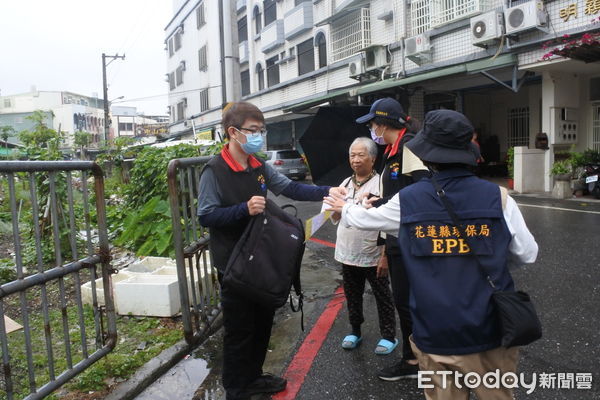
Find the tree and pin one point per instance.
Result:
(41, 142)
(82, 139)
(6, 132)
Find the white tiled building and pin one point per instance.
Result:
(480, 57)
(66, 111)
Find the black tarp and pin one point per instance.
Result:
(327, 140)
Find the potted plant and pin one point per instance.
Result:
(510, 166)
(561, 170)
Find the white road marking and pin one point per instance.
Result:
(558, 208)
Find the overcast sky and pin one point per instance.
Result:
(57, 46)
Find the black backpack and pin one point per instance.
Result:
(265, 262)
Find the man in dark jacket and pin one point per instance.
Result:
(455, 328)
(233, 188)
(390, 125)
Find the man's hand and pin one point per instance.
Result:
(338, 192)
(256, 205)
(367, 201)
(336, 203)
(382, 266)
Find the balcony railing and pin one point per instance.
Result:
(350, 34)
(272, 36)
(243, 52)
(298, 20)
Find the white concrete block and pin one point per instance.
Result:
(86, 288)
(172, 271)
(149, 295)
(151, 264)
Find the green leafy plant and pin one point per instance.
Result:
(82, 140)
(560, 168)
(148, 231)
(510, 162)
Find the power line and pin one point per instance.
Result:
(165, 94)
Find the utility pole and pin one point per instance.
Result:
(105, 90)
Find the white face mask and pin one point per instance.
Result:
(376, 138)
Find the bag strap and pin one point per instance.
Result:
(442, 195)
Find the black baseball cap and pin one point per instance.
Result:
(386, 108)
(445, 139)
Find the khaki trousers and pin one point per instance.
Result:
(500, 358)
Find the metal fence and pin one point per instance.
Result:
(60, 240)
(198, 282)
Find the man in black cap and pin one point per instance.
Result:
(455, 328)
(390, 125)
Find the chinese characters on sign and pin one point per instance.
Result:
(590, 7)
(447, 239)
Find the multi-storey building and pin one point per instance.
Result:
(127, 122)
(65, 111)
(484, 58)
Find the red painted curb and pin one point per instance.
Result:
(323, 242)
(300, 365)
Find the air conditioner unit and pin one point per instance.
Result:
(487, 28)
(356, 68)
(418, 49)
(526, 16)
(375, 57)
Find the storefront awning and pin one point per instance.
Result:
(316, 100)
(471, 67)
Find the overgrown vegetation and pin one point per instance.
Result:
(138, 219)
(143, 218)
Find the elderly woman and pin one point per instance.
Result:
(358, 252)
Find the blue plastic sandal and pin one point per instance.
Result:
(385, 346)
(351, 342)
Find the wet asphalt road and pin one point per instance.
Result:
(564, 284)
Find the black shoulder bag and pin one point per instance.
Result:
(518, 319)
(265, 262)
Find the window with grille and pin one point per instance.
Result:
(125, 126)
(350, 34)
(596, 126)
(172, 80)
(257, 19)
(420, 13)
(260, 74)
(170, 46)
(306, 57)
(245, 79)
(204, 105)
(322, 49)
(518, 126)
(272, 71)
(270, 11)
(444, 11)
(6, 103)
(242, 29)
(202, 58)
(179, 75)
(180, 111)
(200, 16)
(178, 40)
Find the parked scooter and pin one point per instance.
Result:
(591, 175)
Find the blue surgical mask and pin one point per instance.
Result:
(253, 143)
(376, 139)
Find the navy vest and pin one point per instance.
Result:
(450, 298)
(234, 187)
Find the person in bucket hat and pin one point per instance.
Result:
(390, 125)
(455, 329)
